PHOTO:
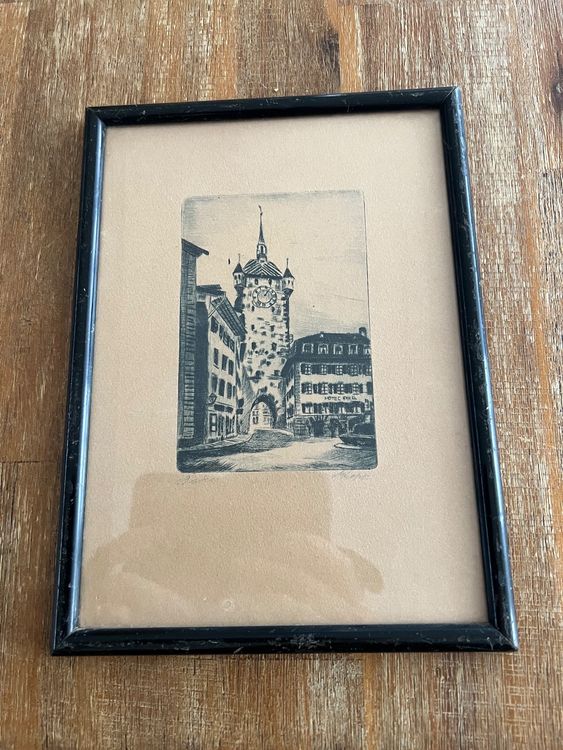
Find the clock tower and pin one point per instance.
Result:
(263, 295)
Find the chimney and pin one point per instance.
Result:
(363, 331)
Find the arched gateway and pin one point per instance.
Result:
(263, 413)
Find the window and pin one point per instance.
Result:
(338, 349)
(216, 357)
(369, 387)
(320, 388)
(214, 325)
(231, 367)
(323, 348)
(229, 390)
(307, 408)
(221, 387)
(305, 368)
(367, 350)
(339, 369)
(274, 346)
(306, 388)
(353, 349)
(308, 348)
(221, 331)
(353, 369)
(213, 422)
(214, 383)
(323, 369)
(224, 360)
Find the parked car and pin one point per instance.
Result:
(362, 436)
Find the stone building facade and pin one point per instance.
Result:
(263, 295)
(219, 369)
(213, 393)
(187, 354)
(328, 384)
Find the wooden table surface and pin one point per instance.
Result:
(56, 57)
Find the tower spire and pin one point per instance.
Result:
(261, 249)
(261, 235)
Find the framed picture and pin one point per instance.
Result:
(280, 431)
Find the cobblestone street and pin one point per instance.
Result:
(299, 455)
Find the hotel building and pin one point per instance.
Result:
(328, 384)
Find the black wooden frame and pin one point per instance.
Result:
(500, 632)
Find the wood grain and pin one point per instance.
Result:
(56, 57)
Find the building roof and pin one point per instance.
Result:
(333, 338)
(238, 268)
(263, 268)
(229, 315)
(221, 305)
(192, 249)
(210, 288)
(287, 274)
(296, 353)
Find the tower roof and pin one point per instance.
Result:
(287, 273)
(264, 268)
(261, 233)
(261, 266)
(261, 247)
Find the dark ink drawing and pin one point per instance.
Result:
(275, 369)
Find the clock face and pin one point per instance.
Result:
(264, 296)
